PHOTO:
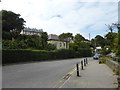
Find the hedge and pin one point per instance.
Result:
(15, 56)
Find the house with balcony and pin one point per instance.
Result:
(53, 39)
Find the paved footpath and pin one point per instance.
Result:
(94, 75)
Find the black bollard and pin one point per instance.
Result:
(118, 81)
(86, 61)
(77, 66)
(82, 65)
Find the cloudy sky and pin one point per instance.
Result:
(58, 16)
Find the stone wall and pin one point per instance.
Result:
(113, 65)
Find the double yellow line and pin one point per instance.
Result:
(65, 78)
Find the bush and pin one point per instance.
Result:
(6, 35)
(8, 44)
(84, 52)
(15, 56)
(102, 61)
(106, 50)
(50, 47)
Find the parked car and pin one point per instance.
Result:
(97, 56)
(100, 55)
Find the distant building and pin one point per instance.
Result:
(53, 39)
(31, 31)
(98, 48)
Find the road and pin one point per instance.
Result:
(37, 75)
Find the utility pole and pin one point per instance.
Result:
(95, 44)
(89, 36)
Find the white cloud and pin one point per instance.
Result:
(58, 16)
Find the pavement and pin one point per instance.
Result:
(94, 75)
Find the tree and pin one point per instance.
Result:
(78, 38)
(79, 43)
(106, 50)
(117, 39)
(31, 41)
(118, 53)
(115, 43)
(84, 45)
(73, 46)
(11, 21)
(93, 43)
(50, 47)
(44, 38)
(100, 41)
(110, 38)
(66, 36)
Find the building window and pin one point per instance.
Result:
(60, 44)
(64, 44)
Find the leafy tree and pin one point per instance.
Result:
(110, 38)
(7, 44)
(66, 36)
(50, 47)
(73, 46)
(118, 53)
(9, 35)
(6, 35)
(100, 41)
(31, 42)
(44, 38)
(78, 38)
(79, 43)
(11, 21)
(106, 50)
(115, 44)
(93, 43)
(117, 39)
(84, 45)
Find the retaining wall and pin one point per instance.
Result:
(115, 66)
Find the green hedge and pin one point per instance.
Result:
(15, 56)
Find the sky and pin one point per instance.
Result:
(63, 16)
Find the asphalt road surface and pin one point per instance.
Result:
(37, 75)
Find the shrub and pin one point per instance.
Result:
(102, 61)
(84, 52)
(15, 56)
(106, 50)
(6, 35)
(50, 47)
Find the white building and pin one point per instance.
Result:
(31, 31)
